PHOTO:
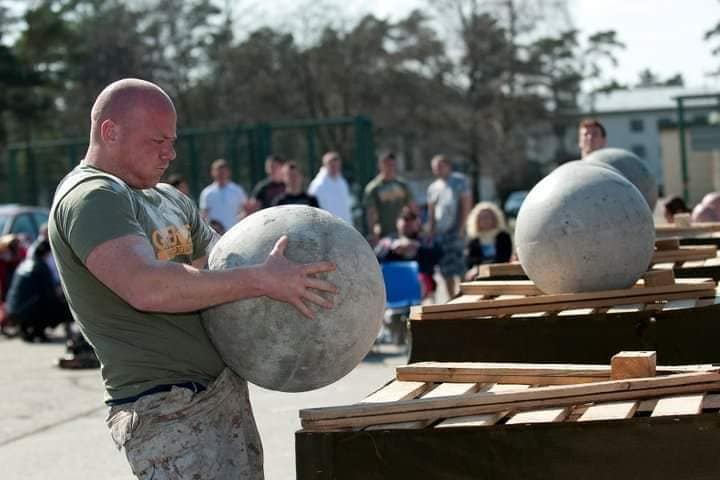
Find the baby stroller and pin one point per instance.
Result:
(402, 286)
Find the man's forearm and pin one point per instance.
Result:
(174, 287)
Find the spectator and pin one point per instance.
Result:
(408, 244)
(385, 197)
(488, 238)
(179, 182)
(35, 301)
(12, 252)
(294, 193)
(331, 189)
(674, 206)
(268, 189)
(591, 136)
(223, 199)
(708, 210)
(449, 203)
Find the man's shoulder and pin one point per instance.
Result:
(373, 184)
(236, 188)
(209, 189)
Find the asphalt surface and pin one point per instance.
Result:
(52, 421)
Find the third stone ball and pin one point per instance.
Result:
(584, 228)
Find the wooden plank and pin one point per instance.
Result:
(683, 285)
(537, 373)
(442, 390)
(609, 411)
(667, 244)
(633, 365)
(469, 311)
(453, 371)
(484, 419)
(685, 254)
(399, 390)
(679, 405)
(545, 415)
(498, 287)
(500, 270)
(671, 230)
(655, 278)
(360, 415)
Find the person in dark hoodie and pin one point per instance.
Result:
(34, 301)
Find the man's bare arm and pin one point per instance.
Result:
(127, 265)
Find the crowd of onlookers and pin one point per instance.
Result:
(446, 234)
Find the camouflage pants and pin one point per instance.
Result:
(184, 435)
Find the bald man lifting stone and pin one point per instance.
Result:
(131, 254)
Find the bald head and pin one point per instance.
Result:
(120, 99)
(133, 132)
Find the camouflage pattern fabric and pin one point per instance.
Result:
(185, 435)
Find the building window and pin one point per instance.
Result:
(637, 125)
(639, 150)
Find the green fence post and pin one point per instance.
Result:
(194, 167)
(311, 150)
(261, 148)
(72, 156)
(32, 175)
(364, 155)
(13, 174)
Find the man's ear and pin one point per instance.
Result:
(109, 131)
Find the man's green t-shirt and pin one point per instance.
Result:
(138, 350)
(387, 197)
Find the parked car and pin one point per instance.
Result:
(513, 203)
(22, 220)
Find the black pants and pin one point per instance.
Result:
(42, 314)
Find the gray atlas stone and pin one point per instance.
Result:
(584, 228)
(271, 343)
(631, 167)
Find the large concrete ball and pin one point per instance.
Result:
(584, 228)
(270, 343)
(631, 167)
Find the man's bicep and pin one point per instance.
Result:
(118, 263)
(90, 218)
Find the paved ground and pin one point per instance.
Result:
(52, 421)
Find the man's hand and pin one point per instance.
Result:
(293, 283)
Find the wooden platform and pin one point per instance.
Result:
(499, 321)
(501, 298)
(672, 230)
(436, 395)
(512, 421)
(678, 258)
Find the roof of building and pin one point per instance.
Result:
(643, 99)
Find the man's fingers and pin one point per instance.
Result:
(317, 299)
(318, 267)
(280, 246)
(318, 284)
(303, 309)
